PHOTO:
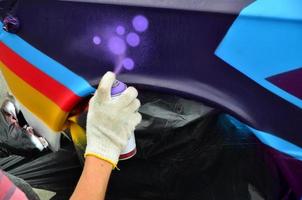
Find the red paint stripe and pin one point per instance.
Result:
(52, 89)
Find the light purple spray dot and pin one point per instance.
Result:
(96, 40)
(128, 63)
(133, 39)
(140, 23)
(120, 30)
(116, 45)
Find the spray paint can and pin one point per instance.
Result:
(11, 24)
(130, 150)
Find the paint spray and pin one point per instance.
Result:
(130, 150)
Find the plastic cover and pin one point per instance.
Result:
(57, 172)
(186, 150)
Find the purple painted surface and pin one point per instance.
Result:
(140, 23)
(291, 170)
(116, 45)
(120, 30)
(96, 40)
(291, 82)
(133, 39)
(128, 63)
(177, 57)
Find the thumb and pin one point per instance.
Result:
(103, 92)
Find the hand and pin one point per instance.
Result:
(110, 122)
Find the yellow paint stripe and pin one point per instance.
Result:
(36, 102)
(77, 133)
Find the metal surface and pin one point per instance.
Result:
(221, 6)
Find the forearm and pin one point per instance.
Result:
(94, 179)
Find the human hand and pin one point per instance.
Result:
(110, 122)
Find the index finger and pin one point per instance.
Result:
(104, 89)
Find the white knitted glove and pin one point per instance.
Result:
(110, 121)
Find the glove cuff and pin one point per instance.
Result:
(104, 149)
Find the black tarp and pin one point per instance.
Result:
(57, 172)
(186, 150)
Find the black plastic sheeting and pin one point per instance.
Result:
(185, 151)
(57, 172)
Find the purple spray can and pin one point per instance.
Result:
(117, 88)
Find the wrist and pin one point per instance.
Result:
(102, 160)
(90, 158)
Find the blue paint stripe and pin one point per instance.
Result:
(275, 9)
(269, 139)
(263, 47)
(282, 93)
(265, 40)
(46, 64)
(279, 144)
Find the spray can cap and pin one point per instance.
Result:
(117, 88)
